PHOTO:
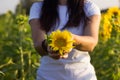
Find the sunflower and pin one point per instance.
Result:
(114, 11)
(61, 41)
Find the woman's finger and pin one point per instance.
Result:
(64, 56)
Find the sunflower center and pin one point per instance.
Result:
(115, 13)
(60, 42)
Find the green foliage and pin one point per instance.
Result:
(106, 56)
(18, 59)
(106, 59)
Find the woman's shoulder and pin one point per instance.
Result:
(88, 2)
(35, 10)
(91, 8)
(37, 3)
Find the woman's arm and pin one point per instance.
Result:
(88, 41)
(38, 35)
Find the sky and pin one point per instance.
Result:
(104, 4)
(6, 5)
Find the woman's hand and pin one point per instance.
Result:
(55, 54)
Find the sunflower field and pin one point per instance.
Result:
(106, 56)
(19, 60)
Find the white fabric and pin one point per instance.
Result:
(90, 9)
(77, 66)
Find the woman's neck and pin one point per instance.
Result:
(62, 2)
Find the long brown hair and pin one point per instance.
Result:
(49, 13)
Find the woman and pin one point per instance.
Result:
(81, 18)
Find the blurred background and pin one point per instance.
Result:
(19, 60)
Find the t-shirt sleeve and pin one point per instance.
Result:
(91, 8)
(35, 10)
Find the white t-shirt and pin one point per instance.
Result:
(78, 62)
(89, 8)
